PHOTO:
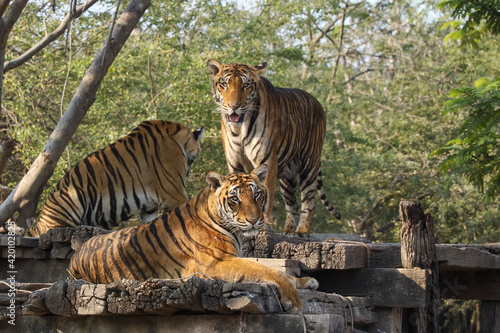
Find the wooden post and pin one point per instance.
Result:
(418, 250)
(489, 317)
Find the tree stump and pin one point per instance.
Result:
(418, 250)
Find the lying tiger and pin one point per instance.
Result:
(284, 128)
(201, 236)
(141, 173)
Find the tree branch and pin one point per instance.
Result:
(9, 65)
(25, 196)
(3, 6)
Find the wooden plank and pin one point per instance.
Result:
(5, 286)
(19, 252)
(45, 271)
(262, 245)
(386, 287)
(248, 323)
(480, 285)
(19, 242)
(165, 297)
(460, 256)
(288, 266)
(325, 255)
(19, 298)
(449, 256)
(361, 308)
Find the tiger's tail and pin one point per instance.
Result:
(323, 198)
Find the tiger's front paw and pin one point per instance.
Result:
(302, 230)
(306, 283)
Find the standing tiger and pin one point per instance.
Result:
(141, 173)
(284, 128)
(202, 236)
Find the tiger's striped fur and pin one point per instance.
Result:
(284, 128)
(141, 173)
(201, 236)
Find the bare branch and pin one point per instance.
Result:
(352, 78)
(26, 194)
(48, 38)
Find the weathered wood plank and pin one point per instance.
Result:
(288, 266)
(19, 241)
(19, 252)
(166, 297)
(481, 285)
(19, 298)
(248, 323)
(323, 303)
(319, 251)
(5, 286)
(262, 245)
(324, 255)
(386, 287)
(44, 271)
(460, 256)
(449, 256)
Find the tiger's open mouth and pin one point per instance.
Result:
(235, 118)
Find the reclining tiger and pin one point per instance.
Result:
(284, 128)
(141, 173)
(202, 236)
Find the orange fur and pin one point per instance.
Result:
(284, 128)
(201, 236)
(141, 173)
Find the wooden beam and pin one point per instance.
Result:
(386, 287)
(480, 285)
(462, 256)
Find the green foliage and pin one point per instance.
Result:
(383, 104)
(476, 18)
(475, 153)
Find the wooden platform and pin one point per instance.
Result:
(359, 281)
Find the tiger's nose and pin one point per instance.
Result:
(234, 106)
(253, 221)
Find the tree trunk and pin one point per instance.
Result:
(418, 250)
(26, 193)
(6, 148)
(6, 23)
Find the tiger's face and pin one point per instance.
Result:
(234, 88)
(240, 200)
(189, 143)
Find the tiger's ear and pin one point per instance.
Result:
(260, 68)
(213, 66)
(214, 179)
(199, 133)
(261, 172)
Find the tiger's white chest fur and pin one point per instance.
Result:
(248, 142)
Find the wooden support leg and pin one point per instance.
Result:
(489, 317)
(418, 250)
